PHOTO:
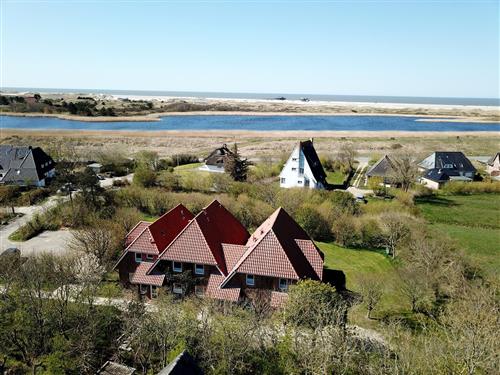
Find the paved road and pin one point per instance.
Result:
(108, 182)
(53, 241)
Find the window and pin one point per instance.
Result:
(306, 182)
(138, 257)
(150, 257)
(177, 266)
(283, 180)
(294, 169)
(199, 269)
(301, 170)
(177, 288)
(154, 291)
(143, 289)
(294, 159)
(299, 181)
(283, 285)
(199, 290)
(250, 280)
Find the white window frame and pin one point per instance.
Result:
(154, 291)
(198, 272)
(176, 269)
(294, 159)
(140, 258)
(150, 257)
(294, 169)
(177, 288)
(250, 277)
(283, 180)
(301, 170)
(299, 181)
(281, 287)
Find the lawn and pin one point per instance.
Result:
(336, 178)
(472, 222)
(357, 262)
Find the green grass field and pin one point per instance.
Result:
(472, 222)
(357, 262)
(335, 178)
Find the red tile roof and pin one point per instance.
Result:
(214, 290)
(152, 238)
(201, 240)
(273, 251)
(313, 256)
(135, 231)
(140, 276)
(232, 254)
(168, 226)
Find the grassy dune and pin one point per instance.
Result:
(472, 222)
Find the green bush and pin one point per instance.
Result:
(455, 187)
(33, 196)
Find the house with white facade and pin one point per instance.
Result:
(303, 168)
(443, 166)
(493, 166)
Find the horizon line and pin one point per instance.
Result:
(246, 92)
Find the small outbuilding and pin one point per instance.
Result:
(493, 165)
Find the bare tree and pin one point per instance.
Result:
(396, 230)
(404, 171)
(372, 290)
(347, 155)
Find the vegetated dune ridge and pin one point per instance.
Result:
(169, 106)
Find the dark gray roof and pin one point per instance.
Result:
(491, 160)
(19, 164)
(217, 157)
(440, 175)
(448, 160)
(113, 368)
(381, 168)
(183, 364)
(312, 158)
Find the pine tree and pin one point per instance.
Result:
(235, 166)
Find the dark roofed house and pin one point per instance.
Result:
(493, 165)
(443, 166)
(303, 168)
(113, 368)
(25, 165)
(383, 169)
(215, 161)
(224, 261)
(183, 364)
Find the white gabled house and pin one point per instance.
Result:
(303, 168)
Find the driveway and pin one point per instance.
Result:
(53, 241)
(358, 175)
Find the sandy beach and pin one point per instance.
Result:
(267, 107)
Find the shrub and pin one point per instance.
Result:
(181, 159)
(455, 187)
(169, 181)
(346, 232)
(313, 223)
(144, 177)
(33, 196)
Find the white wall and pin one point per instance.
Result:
(294, 176)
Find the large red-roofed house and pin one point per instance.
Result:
(221, 258)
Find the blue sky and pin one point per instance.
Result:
(407, 48)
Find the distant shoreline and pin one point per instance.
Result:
(153, 117)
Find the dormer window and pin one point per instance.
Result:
(177, 266)
(138, 257)
(250, 280)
